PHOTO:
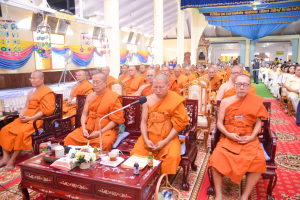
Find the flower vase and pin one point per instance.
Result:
(85, 165)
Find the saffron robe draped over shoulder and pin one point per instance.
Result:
(105, 103)
(109, 79)
(232, 159)
(17, 135)
(143, 75)
(85, 88)
(228, 71)
(173, 85)
(181, 81)
(216, 82)
(163, 116)
(191, 77)
(147, 91)
(122, 77)
(232, 91)
(204, 73)
(133, 84)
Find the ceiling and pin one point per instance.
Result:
(236, 45)
(138, 16)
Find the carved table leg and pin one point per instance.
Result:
(211, 189)
(24, 192)
(194, 167)
(205, 140)
(271, 185)
(186, 169)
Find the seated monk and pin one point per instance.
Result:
(146, 90)
(228, 70)
(244, 71)
(157, 68)
(97, 104)
(172, 81)
(238, 151)
(181, 79)
(16, 136)
(163, 116)
(82, 87)
(124, 74)
(227, 89)
(171, 69)
(143, 71)
(221, 73)
(215, 80)
(106, 71)
(182, 69)
(202, 71)
(189, 75)
(133, 82)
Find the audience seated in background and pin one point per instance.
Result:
(16, 136)
(181, 79)
(163, 116)
(293, 87)
(146, 90)
(142, 71)
(124, 74)
(157, 68)
(238, 150)
(215, 80)
(172, 81)
(97, 104)
(188, 74)
(133, 82)
(106, 71)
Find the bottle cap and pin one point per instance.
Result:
(136, 162)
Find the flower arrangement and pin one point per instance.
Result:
(84, 155)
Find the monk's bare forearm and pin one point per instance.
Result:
(37, 115)
(256, 128)
(144, 131)
(109, 126)
(83, 118)
(222, 128)
(173, 133)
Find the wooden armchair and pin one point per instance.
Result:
(267, 137)
(132, 125)
(65, 126)
(198, 90)
(118, 86)
(196, 74)
(46, 134)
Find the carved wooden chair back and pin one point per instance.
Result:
(118, 87)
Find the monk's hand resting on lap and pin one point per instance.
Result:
(93, 135)
(233, 136)
(246, 139)
(159, 145)
(85, 133)
(69, 103)
(149, 144)
(25, 119)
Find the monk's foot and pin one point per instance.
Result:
(4, 161)
(218, 197)
(10, 166)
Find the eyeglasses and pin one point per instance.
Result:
(150, 75)
(242, 84)
(33, 79)
(96, 83)
(160, 88)
(235, 73)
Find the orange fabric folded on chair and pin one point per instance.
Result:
(133, 84)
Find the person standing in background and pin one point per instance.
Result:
(256, 69)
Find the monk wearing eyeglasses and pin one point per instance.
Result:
(98, 104)
(172, 81)
(163, 116)
(83, 87)
(106, 71)
(133, 82)
(227, 89)
(181, 79)
(238, 151)
(146, 90)
(16, 136)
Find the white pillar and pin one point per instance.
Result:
(247, 53)
(198, 24)
(111, 17)
(158, 31)
(180, 33)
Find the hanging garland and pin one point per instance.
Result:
(44, 47)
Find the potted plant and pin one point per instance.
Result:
(84, 157)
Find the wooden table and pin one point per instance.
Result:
(98, 182)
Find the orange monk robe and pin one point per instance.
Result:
(143, 75)
(204, 73)
(121, 78)
(232, 159)
(246, 72)
(182, 72)
(228, 72)
(159, 71)
(105, 103)
(191, 77)
(133, 84)
(232, 91)
(181, 81)
(163, 116)
(17, 135)
(216, 82)
(110, 79)
(173, 85)
(173, 74)
(147, 90)
(85, 88)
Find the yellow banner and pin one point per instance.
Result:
(65, 16)
(279, 52)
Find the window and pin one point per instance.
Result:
(54, 62)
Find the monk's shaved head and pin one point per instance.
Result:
(161, 76)
(236, 67)
(106, 68)
(177, 68)
(132, 67)
(39, 73)
(151, 70)
(212, 69)
(242, 75)
(101, 75)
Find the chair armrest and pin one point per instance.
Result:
(213, 138)
(64, 124)
(190, 138)
(270, 145)
(51, 117)
(9, 116)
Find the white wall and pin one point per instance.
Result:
(286, 48)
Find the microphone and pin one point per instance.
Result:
(141, 100)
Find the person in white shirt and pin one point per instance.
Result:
(231, 61)
(290, 72)
(293, 87)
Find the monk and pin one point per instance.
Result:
(215, 80)
(181, 79)
(244, 71)
(238, 150)
(171, 69)
(16, 136)
(97, 104)
(163, 116)
(228, 70)
(146, 90)
(83, 87)
(133, 82)
(124, 74)
(202, 71)
(172, 81)
(227, 89)
(142, 72)
(182, 69)
(106, 71)
(157, 68)
(188, 74)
